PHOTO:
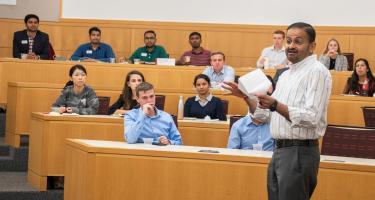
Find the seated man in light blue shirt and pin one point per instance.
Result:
(248, 131)
(149, 122)
(95, 50)
(218, 72)
(274, 56)
(251, 130)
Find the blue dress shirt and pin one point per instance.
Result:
(227, 74)
(244, 133)
(138, 126)
(103, 53)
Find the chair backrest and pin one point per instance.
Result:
(103, 105)
(233, 119)
(369, 116)
(350, 58)
(225, 106)
(51, 52)
(349, 142)
(174, 117)
(160, 101)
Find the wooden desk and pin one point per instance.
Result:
(48, 133)
(111, 75)
(25, 98)
(346, 110)
(113, 170)
(205, 134)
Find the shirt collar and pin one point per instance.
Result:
(274, 49)
(208, 98)
(153, 49)
(221, 72)
(200, 51)
(157, 112)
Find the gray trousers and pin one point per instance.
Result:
(292, 173)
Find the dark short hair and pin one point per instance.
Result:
(75, 67)
(279, 32)
(195, 33)
(307, 28)
(29, 16)
(144, 86)
(149, 31)
(202, 76)
(92, 29)
(218, 53)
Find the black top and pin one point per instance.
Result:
(213, 108)
(332, 63)
(120, 103)
(21, 44)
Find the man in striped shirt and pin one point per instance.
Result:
(298, 117)
(197, 56)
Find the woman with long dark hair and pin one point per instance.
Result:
(127, 100)
(361, 75)
(77, 97)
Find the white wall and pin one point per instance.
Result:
(47, 10)
(267, 12)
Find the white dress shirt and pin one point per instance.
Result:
(305, 88)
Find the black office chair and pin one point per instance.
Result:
(369, 116)
(103, 105)
(233, 119)
(349, 142)
(160, 101)
(225, 106)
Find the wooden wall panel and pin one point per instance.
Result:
(242, 44)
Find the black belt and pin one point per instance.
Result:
(288, 143)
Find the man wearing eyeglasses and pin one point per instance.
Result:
(150, 51)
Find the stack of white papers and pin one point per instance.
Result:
(255, 82)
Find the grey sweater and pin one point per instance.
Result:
(84, 103)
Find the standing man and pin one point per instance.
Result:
(31, 43)
(197, 56)
(298, 111)
(150, 51)
(149, 122)
(274, 56)
(218, 72)
(95, 50)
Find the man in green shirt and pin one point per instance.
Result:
(150, 51)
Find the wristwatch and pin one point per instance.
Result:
(273, 106)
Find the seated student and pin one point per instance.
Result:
(249, 130)
(332, 57)
(274, 56)
(149, 122)
(150, 51)
(218, 72)
(31, 43)
(197, 56)
(77, 97)
(204, 104)
(95, 50)
(362, 74)
(127, 99)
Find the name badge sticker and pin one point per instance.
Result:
(88, 51)
(144, 54)
(23, 41)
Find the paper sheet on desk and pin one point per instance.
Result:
(255, 82)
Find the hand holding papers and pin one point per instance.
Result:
(253, 83)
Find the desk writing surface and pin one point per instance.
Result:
(180, 172)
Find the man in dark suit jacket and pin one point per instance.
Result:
(31, 43)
